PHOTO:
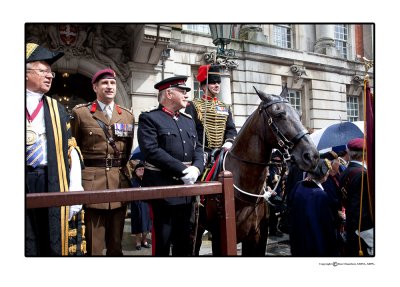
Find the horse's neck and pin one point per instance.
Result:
(251, 151)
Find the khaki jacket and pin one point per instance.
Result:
(93, 143)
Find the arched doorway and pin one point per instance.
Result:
(71, 89)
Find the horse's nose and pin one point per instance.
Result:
(311, 158)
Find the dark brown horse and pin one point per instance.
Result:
(275, 124)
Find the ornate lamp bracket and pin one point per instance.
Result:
(224, 58)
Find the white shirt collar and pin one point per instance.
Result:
(33, 94)
(102, 105)
(32, 100)
(318, 183)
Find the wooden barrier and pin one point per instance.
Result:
(224, 186)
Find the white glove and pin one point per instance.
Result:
(205, 155)
(227, 145)
(73, 210)
(75, 181)
(192, 173)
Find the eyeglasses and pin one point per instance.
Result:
(44, 73)
(180, 90)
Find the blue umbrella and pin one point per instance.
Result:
(137, 154)
(336, 136)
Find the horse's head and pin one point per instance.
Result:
(290, 136)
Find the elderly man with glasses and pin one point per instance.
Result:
(52, 161)
(173, 155)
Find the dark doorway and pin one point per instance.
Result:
(71, 90)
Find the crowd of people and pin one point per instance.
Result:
(325, 213)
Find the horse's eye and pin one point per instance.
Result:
(279, 116)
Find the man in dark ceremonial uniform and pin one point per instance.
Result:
(104, 132)
(311, 218)
(359, 231)
(52, 161)
(215, 129)
(173, 155)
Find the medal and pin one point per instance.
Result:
(31, 136)
(123, 130)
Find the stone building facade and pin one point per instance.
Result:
(322, 64)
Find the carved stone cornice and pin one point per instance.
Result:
(188, 48)
(149, 40)
(298, 72)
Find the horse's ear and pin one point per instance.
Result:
(285, 92)
(261, 95)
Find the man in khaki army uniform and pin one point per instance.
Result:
(104, 132)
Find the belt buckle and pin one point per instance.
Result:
(109, 162)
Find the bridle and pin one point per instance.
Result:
(285, 144)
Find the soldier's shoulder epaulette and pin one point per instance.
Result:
(123, 108)
(186, 115)
(153, 108)
(82, 105)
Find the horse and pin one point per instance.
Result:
(275, 124)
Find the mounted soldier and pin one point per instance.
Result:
(215, 129)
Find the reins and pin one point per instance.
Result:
(283, 142)
(267, 193)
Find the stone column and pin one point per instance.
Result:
(226, 94)
(252, 32)
(325, 43)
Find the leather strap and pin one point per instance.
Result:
(104, 162)
(109, 138)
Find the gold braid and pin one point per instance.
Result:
(215, 123)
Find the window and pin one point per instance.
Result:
(352, 109)
(197, 28)
(341, 38)
(197, 91)
(294, 98)
(283, 36)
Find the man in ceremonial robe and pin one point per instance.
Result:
(53, 163)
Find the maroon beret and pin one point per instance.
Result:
(355, 144)
(102, 74)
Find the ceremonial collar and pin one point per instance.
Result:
(172, 114)
(209, 98)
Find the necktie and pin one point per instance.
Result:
(34, 154)
(107, 112)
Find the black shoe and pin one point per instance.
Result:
(146, 245)
(138, 247)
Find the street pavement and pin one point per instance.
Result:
(276, 246)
